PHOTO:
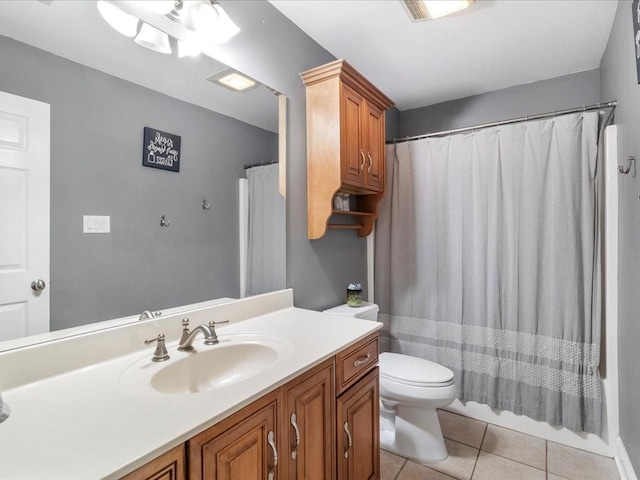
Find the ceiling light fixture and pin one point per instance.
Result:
(204, 23)
(122, 22)
(153, 39)
(160, 7)
(233, 80)
(188, 49)
(432, 9)
(205, 18)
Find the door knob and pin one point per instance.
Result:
(38, 285)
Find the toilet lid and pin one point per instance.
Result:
(414, 371)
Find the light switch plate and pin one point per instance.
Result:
(96, 224)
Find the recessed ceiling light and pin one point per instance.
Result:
(432, 9)
(233, 80)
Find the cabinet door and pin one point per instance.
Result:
(374, 147)
(169, 466)
(358, 436)
(309, 428)
(246, 451)
(353, 157)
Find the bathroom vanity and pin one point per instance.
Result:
(287, 393)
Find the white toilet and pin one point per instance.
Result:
(411, 389)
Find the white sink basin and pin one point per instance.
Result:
(215, 368)
(235, 359)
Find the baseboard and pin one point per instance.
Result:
(625, 469)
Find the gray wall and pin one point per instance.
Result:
(619, 82)
(558, 93)
(275, 51)
(96, 146)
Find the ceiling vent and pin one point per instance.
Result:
(420, 10)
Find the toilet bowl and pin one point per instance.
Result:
(411, 389)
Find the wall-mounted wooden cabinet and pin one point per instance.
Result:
(345, 146)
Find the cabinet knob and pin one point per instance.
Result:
(363, 160)
(370, 162)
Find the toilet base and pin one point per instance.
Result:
(417, 435)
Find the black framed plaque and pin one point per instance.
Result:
(161, 150)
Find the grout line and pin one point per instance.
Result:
(400, 471)
(546, 460)
(484, 434)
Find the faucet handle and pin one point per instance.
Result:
(185, 323)
(160, 354)
(213, 338)
(213, 324)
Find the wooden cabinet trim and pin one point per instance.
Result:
(362, 399)
(168, 466)
(196, 445)
(349, 75)
(315, 391)
(346, 372)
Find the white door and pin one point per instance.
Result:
(24, 216)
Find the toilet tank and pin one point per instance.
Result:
(367, 311)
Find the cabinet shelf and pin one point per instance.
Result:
(351, 213)
(344, 226)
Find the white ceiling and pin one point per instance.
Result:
(76, 31)
(494, 44)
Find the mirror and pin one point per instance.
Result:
(103, 90)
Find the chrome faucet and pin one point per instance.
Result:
(209, 332)
(147, 314)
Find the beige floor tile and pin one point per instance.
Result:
(390, 465)
(577, 464)
(553, 476)
(460, 462)
(414, 471)
(493, 467)
(516, 446)
(461, 429)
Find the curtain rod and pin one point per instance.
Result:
(261, 164)
(595, 106)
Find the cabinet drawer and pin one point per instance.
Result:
(355, 361)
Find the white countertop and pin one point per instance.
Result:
(83, 424)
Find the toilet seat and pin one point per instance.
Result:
(413, 371)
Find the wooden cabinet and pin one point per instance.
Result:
(362, 155)
(345, 146)
(241, 447)
(299, 431)
(358, 416)
(169, 466)
(308, 426)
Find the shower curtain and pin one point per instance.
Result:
(267, 229)
(487, 261)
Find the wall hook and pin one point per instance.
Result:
(164, 222)
(206, 205)
(632, 163)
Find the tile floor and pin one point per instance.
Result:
(481, 451)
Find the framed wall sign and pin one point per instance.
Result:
(161, 150)
(635, 11)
